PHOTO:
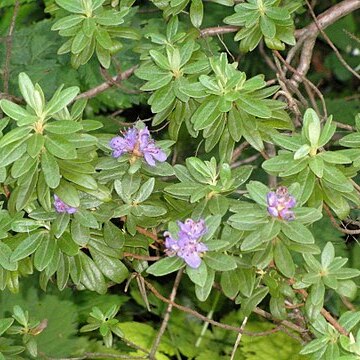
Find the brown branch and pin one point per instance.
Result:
(213, 322)
(330, 319)
(309, 34)
(107, 84)
(165, 321)
(331, 44)
(141, 257)
(218, 30)
(302, 77)
(238, 151)
(8, 43)
(337, 226)
(286, 323)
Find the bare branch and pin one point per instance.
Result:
(107, 84)
(337, 226)
(331, 44)
(218, 30)
(213, 322)
(311, 32)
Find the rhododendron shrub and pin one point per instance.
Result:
(178, 186)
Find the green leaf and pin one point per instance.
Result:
(91, 276)
(267, 27)
(27, 90)
(145, 191)
(11, 152)
(258, 192)
(348, 320)
(113, 236)
(198, 276)
(67, 22)
(316, 165)
(60, 147)
(252, 241)
(111, 267)
(61, 99)
(253, 107)
(311, 127)
(327, 255)
(16, 112)
(63, 127)
(44, 253)
(84, 180)
(165, 266)
(5, 324)
(230, 283)
(5, 254)
(15, 135)
(206, 114)
(220, 262)
(283, 260)
(71, 6)
(35, 144)
(302, 152)
(50, 170)
(196, 12)
(28, 246)
(103, 38)
(297, 232)
(248, 305)
(67, 245)
(68, 193)
(203, 292)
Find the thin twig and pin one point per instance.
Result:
(238, 339)
(295, 71)
(141, 257)
(330, 319)
(8, 42)
(238, 151)
(337, 226)
(213, 322)
(218, 30)
(309, 34)
(331, 44)
(107, 84)
(165, 321)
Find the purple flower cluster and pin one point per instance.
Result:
(138, 143)
(280, 203)
(187, 245)
(61, 207)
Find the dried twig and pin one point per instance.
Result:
(165, 321)
(238, 339)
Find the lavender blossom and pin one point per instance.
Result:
(280, 203)
(61, 207)
(138, 143)
(187, 246)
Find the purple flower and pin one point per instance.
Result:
(280, 203)
(187, 246)
(138, 143)
(61, 207)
